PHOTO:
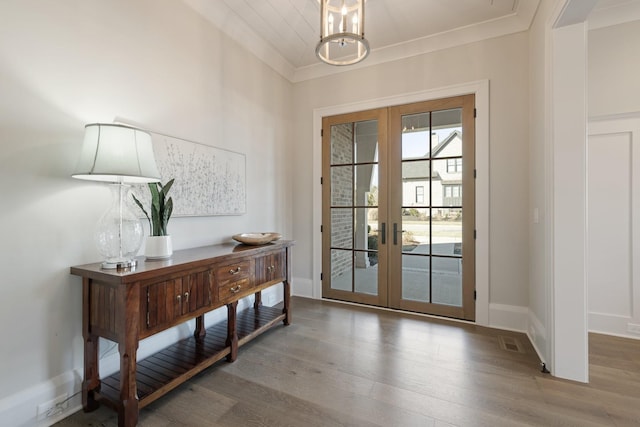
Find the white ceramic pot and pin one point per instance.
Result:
(158, 247)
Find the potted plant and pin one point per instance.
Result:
(158, 244)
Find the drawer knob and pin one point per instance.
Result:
(236, 271)
(186, 296)
(235, 289)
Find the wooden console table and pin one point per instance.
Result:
(127, 306)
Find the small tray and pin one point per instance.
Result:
(256, 238)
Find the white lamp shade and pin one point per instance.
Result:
(117, 153)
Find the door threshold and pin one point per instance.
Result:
(398, 310)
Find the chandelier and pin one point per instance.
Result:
(342, 39)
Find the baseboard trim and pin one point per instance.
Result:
(537, 334)
(508, 317)
(302, 287)
(21, 408)
(609, 324)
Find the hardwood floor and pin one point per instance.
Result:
(342, 365)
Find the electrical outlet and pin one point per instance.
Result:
(53, 407)
(633, 328)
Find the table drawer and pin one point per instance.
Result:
(233, 289)
(234, 272)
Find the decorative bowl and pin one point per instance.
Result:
(256, 238)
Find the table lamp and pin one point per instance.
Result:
(120, 155)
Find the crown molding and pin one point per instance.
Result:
(519, 21)
(233, 26)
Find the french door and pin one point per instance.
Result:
(398, 207)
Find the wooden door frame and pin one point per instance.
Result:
(390, 269)
(312, 288)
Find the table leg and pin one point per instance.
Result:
(257, 303)
(286, 310)
(232, 334)
(286, 285)
(128, 410)
(91, 381)
(128, 347)
(200, 331)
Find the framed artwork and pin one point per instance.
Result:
(209, 181)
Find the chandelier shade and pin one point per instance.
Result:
(342, 39)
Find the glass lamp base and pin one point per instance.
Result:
(119, 233)
(120, 265)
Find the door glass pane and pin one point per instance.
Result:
(415, 231)
(341, 228)
(366, 141)
(342, 186)
(342, 144)
(447, 232)
(362, 229)
(341, 269)
(446, 190)
(415, 278)
(446, 133)
(373, 244)
(415, 183)
(415, 136)
(366, 185)
(366, 274)
(447, 281)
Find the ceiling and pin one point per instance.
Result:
(284, 33)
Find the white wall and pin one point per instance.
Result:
(504, 62)
(65, 64)
(614, 244)
(613, 70)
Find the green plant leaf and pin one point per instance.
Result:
(167, 187)
(135, 199)
(155, 219)
(161, 209)
(166, 214)
(155, 208)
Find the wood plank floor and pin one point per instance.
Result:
(341, 365)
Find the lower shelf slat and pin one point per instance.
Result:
(165, 370)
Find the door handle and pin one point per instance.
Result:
(395, 233)
(383, 232)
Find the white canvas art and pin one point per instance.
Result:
(208, 180)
